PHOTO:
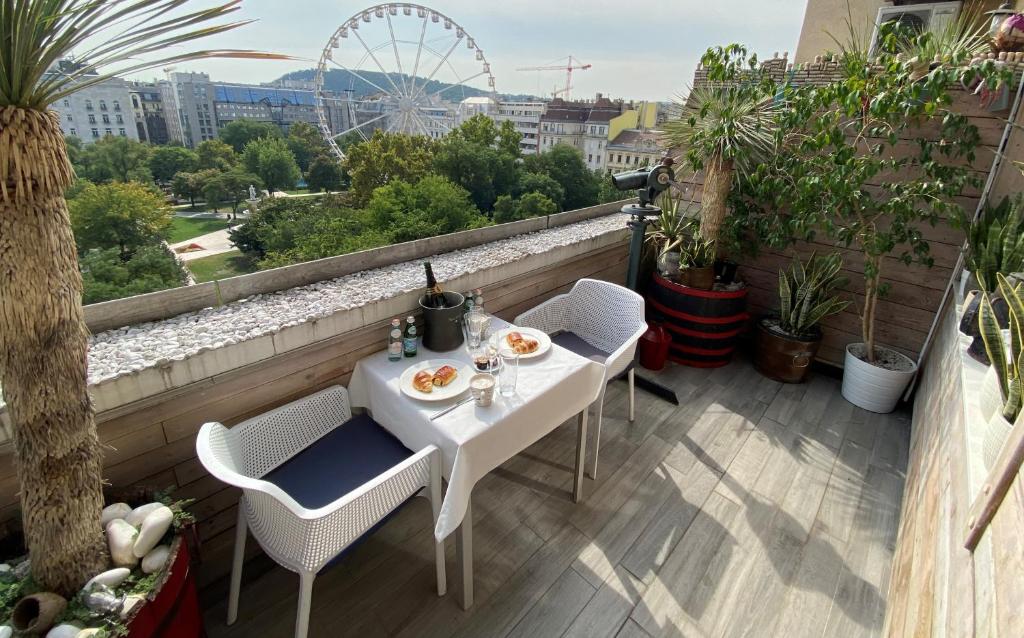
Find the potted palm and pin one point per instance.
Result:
(787, 343)
(1007, 356)
(43, 338)
(666, 234)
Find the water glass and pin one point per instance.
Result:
(476, 321)
(509, 372)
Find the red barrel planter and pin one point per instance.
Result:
(705, 325)
(173, 609)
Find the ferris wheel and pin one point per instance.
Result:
(406, 68)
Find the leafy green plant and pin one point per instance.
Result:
(726, 127)
(1008, 362)
(697, 252)
(996, 243)
(668, 230)
(852, 163)
(807, 293)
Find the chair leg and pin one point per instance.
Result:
(305, 603)
(241, 531)
(435, 505)
(632, 395)
(596, 446)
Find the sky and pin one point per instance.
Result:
(639, 50)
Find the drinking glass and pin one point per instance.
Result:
(476, 321)
(509, 372)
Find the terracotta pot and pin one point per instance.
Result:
(700, 278)
(35, 614)
(783, 357)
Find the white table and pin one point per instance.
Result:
(473, 440)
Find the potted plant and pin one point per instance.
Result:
(787, 343)
(697, 262)
(665, 235)
(842, 170)
(43, 337)
(1007, 356)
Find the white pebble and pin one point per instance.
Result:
(115, 510)
(64, 630)
(6, 632)
(110, 578)
(121, 539)
(155, 560)
(154, 526)
(140, 513)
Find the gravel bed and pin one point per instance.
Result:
(120, 352)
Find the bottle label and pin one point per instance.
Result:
(410, 345)
(395, 348)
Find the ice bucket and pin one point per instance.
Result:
(442, 327)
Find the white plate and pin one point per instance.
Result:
(542, 338)
(440, 393)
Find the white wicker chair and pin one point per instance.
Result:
(599, 320)
(301, 539)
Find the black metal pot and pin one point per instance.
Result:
(442, 327)
(969, 322)
(725, 271)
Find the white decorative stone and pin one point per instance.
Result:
(110, 578)
(154, 526)
(91, 632)
(155, 560)
(6, 632)
(130, 603)
(22, 569)
(121, 539)
(64, 630)
(140, 513)
(4, 568)
(115, 510)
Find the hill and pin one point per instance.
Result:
(340, 80)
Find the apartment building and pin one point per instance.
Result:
(634, 148)
(96, 111)
(149, 113)
(526, 117)
(591, 126)
(192, 104)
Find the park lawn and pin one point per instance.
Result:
(220, 266)
(183, 228)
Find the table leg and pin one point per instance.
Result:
(581, 457)
(464, 550)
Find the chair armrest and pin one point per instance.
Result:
(548, 316)
(619, 360)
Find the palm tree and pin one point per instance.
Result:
(43, 338)
(723, 127)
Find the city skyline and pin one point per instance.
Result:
(532, 33)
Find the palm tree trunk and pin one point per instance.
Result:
(43, 343)
(714, 202)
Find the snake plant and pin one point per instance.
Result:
(1008, 361)
(997, 243)
(697, 252)
(807, 293)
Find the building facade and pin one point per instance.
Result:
(149, 113)
(526, 117)
(193, 106)
(590, 126)
(634, 148)
(96, 111)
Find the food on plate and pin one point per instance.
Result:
(423, 381)
(521, 344)
(445, 375)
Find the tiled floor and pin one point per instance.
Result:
(754, 508)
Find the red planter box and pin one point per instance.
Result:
(174, 612)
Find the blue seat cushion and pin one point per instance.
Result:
(573, 342)
(339, 462)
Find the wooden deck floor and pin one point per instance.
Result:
(754, 509)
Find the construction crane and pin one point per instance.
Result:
(572, 64)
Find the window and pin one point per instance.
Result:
(74, 132)
(117, 106)
(92, 119)
(67, 103)
(590, 158)
(70, 119)
(88, 105)
(95, 132)
(107, 131)
(120, 120)
(106, 119)
(103, 105)
(121, 132)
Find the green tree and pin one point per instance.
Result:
(125, 216)
(115, 158)
(508, 139)
(536, 205)
(431, 206)
(167, 161)
(239, 133)
(324, 173)
(305, 143)
(188, 186)
(539, 183)
(215, 191)
(106, 276)
(478, 129)
(270, 158)
(386, 157)
(606, 191)
(73, 143)
(506, 209)
(234, 186)
(215, 154)
(565, 165)
(480, 169)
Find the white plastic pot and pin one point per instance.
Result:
(873, 388)
(668, 264)
(990, 399)
(996, 431)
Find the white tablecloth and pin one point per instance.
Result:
(474, 440)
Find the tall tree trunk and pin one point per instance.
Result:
(714, 202)
(43, 343)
